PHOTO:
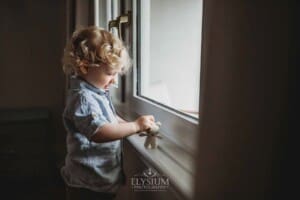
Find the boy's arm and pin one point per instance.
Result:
(110, 132)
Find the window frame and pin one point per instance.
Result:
(175, 126)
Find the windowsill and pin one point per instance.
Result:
(180, 179)
(168, 159)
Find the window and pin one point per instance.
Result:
(164, 40)
(169, 41)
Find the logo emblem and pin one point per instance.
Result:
(149, 180)
(149, 173)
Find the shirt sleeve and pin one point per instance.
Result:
(88, 116)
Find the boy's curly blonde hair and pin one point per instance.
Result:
(94, 47)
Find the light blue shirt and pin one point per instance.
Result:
(95, 166)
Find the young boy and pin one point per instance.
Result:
(93, 164)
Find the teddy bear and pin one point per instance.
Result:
(152, 134)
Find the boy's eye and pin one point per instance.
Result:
(111, 74)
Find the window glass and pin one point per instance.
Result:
(169, 44)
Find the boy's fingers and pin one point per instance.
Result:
(151, 117)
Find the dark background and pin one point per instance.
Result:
(248, 140)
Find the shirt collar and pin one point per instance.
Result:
(77, 82)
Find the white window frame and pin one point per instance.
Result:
(175, 126)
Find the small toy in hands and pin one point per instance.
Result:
(152, 134)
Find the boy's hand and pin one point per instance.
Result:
(144, 122)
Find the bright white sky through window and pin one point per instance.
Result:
(170, 49)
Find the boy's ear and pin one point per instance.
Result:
(83, 69)
(83, 66)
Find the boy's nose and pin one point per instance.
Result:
(114, 80)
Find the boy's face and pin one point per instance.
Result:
(104, 77)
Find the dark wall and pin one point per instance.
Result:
(32, 37)
(243, 104)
